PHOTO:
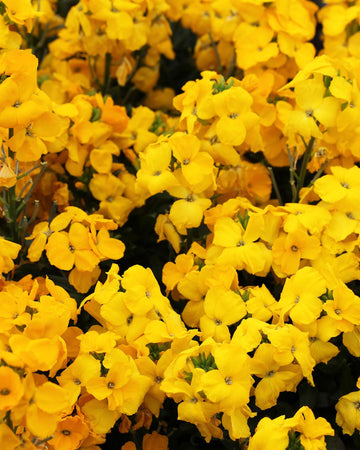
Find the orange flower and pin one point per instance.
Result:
(70, 433)
(114, 115)
(155, 441)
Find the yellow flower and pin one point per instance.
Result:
(222, 307)
(348, 412)
(196, 166)
(105, 246)
(290, 344)
(137, 134)
(8, 439)
(193, 407)
(313, 109)
(70, 433)
(64, 250)
(300, 296)
(321, 350)
(155, 371)
(21, 13)
(155, 175)
(342, 188)
(275, 378)
(254, 44)
(98, 342)
(11, 388)
(236, 119)
(8, 252)
(235, 244)
(188, 212)
(261, 304)
(109, 189)
(39, 354)
(313, 431)
(99, 416)
(351, 340)
(122, 386)
(270, 434)
(344, 309)
(165, 229)
(47, 402)
(289, 249)
(228, 385)
(29, 143)
(236, 422)
(78, 373)
(7, 174)
(8, 39)
(173, 272)
(101, 158)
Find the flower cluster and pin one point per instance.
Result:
(179, 252)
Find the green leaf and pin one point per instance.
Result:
(96, 114)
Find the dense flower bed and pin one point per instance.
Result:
(180, 224)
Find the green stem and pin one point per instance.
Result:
(106, 84)
(18, 198)
(230, 69)
(304, 163)
(11, 216)
(28, 195)
(275, 185)
(53, 211)
(292, 175)
(318, 173)
(94, 78)
(128, 94)
(42, 40)
(218, 60)
(26, 223)
(28, 171)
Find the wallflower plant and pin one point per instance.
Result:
(180, 225)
